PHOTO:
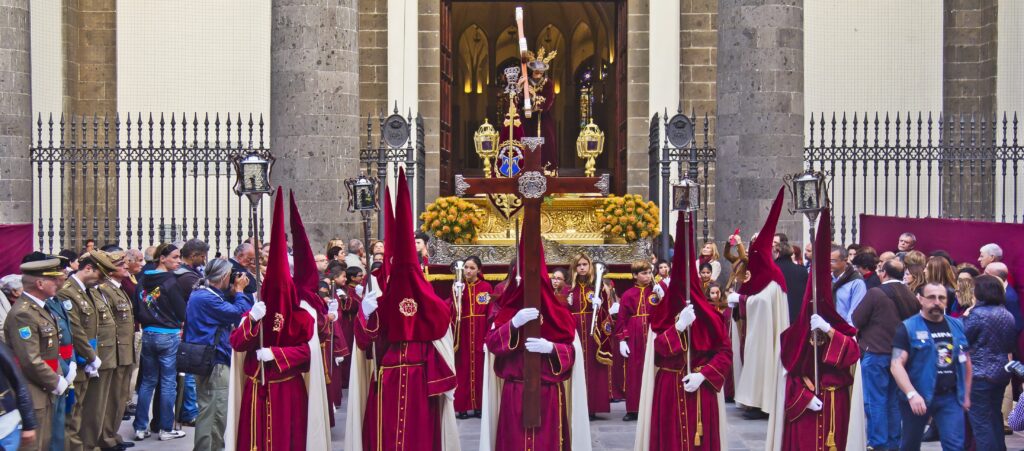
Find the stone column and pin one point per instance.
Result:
(760, 111)
(15, 114)
(314, 110)
(969, 44)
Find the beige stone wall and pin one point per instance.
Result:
(90, 55)
(698, 36)
(373, 62)
(637, 95)
(429, 73)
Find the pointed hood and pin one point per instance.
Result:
(557, 324)
(383, 272)
(708, 329)
(409, 308)
(285, 323)
(796, 355)
(307, 278)
(761, 265)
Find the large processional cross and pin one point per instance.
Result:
(531, 185)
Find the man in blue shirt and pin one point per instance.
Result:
(848, 287)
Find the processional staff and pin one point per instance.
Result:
(527, 105)
(686, 200)
(809, 198)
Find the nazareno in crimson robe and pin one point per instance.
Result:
(470, 331)
(270, 413)
(631, 327)
(332, 346)
(596, 347)
(347, 309)
(554, 432)
(679, 419)
(826, 429)
(401, 412)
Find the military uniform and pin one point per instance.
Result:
(120, 380)
(83, 305)
(96, 400)
(33, 335)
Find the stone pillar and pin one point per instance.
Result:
(373, 60)
(15, 114)
(969, 44)
(314, 110)
(89, 36)
(760, 111)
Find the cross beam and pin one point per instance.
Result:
(531, 185)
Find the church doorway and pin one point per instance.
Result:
(480, 40)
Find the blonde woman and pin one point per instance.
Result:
(584, 304)
(965, 275)
(709, 254)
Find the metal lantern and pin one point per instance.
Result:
(485, 139)
(589, 146)
(253, 174)
(686, 195)
(807, 192)
(362, 193)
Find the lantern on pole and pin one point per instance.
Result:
(686, 200)
(252, 179)
(363, 197)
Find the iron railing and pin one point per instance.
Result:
(397, 145)
(139, 181)
(918, 165)
(673, 148)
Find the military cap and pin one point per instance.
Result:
(42, 268)
(103, 262)
(116, 257)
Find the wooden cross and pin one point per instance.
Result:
(531, 185)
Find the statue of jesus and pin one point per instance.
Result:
(542, 95)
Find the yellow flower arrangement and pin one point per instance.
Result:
(629, 217)
(451, 219)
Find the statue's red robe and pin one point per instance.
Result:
(597, 355)
(470, 332)
(632, 326)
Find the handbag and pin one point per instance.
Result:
(196, 358)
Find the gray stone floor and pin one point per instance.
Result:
(609, 434)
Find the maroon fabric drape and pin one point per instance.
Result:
(962, 239)
(15, 243)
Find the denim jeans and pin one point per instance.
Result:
(159, 361)
(12, 440)
(881, 401)
(986, 415)
(946, 413)
(189, 407)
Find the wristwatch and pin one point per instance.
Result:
(911, 395)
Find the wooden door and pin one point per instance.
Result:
(621, 120)
(445, 173)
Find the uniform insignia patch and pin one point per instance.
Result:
(408, 307)
(483, 298)
(68, 305)
(25, 333)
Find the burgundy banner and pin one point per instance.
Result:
(962, 239)
(15, 243)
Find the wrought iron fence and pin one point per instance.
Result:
(139, 181)
(918, 165)
(674, 149)
(396, 147)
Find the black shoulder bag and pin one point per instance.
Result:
(196, 358)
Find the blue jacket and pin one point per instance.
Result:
(209, 310)
(921, 362)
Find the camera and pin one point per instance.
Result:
(1015, 368)
(235, 275)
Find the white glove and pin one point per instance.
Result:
(258, 311)
(264, 354)
(457, 287)
(339, 292)
(595, 300)
(338, 360)
(569, 299)
(96, 362)
(539, 345)
(72, 371)
(733, 300)
(369, 304)
(692, 382)
(815, 404)
(450, 394)
(332, 308)
(614, 309)
(62, 384)
(819, 323)
(686, 318)
(524, 316)
(658, 291)
(359, 290)
(624, 349)
(667, 280)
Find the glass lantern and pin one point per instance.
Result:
(485, 139)
(589, 145)
(362, 193)
(686, 196)
(807, 192)
(253, 174)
